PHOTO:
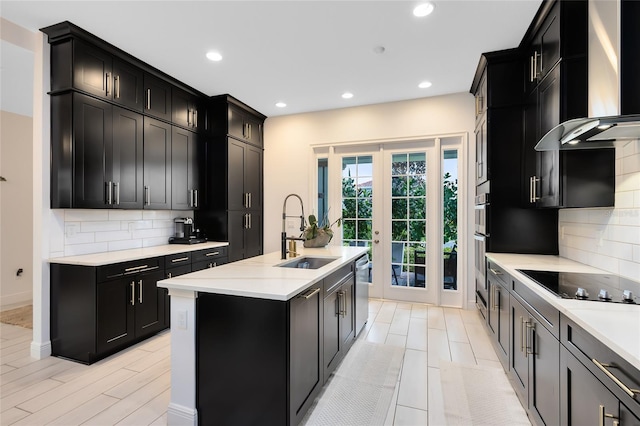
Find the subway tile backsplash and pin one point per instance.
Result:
(74, 231)
(608, 238)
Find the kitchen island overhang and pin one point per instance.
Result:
(260, 281)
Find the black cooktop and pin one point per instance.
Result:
(584, 286)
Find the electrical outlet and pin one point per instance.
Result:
(182, 320)
(70, 229)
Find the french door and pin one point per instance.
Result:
(400, 200)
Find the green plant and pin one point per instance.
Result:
(316, 228)
(450, 228)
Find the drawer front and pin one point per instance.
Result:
(177, 271)
(213, 253)
(539, 308)
(495, 272)
(177, 259)
(337, 277)
(209, 263)
(118, 270)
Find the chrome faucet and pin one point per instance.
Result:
(283, 245)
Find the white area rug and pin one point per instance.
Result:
(478, 395)
(360, 391)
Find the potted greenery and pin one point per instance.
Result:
(319, 235)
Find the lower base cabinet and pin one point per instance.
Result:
(589, 393)
(97, 311)
(261, 361)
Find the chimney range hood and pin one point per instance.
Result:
(591, 133)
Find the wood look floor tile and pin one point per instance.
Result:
(160, 421)
(139, 380)
(413, 380)
(456, 331)
(396, 340)
(435, 318)
(400, 322)
(83, 413)
(480, 343)
(462, 353)
(148, 413)
(378, 332)
(12, 415)
(407, 416)
(28, 393)
(435, 398)
(417, 334)
(437, 346)
(386, 312)
(419, 311)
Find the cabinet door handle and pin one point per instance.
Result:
(250, 221)
(531, 68)
(116, 86)
(195, 198)
(495, 271)
(310, 294)
(250, 199)
(605, 370)
(140, 291)
(339, 303)
(535, 188)
(133, 293)
(136, 268)
(602, 414)
(147, 195)
(523, 331)
(107, 83)
(531, 328)
(535, 64)
(116, 193)
(190, 202)
(213, 253)
(148, 98)
(180, 259)
(168, 274)
(108, 192)
(195, 118)
(531, 189)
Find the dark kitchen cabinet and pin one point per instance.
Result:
(596, 384)
(157, 164)
(157, 102)
(233, 183)
(81, 66)
(187, 110)
(557, 90)
(305, 334)
(498, 310)
(339, 325)
(481, 152)
(245, 126)
(275, 368)
(535, 359)
(96, 311)
(96, 157)
(187, 151)
(209, 258)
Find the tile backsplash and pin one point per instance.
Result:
(75, 231)
(608, 238)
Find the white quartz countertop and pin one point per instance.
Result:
(260, 277)
(617, 325)
(107, 258)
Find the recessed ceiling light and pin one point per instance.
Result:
(281, 105)
(347, 95)
(214, 56)
(423, 9)
(424, 85)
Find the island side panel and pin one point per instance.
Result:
(182, 407)
(242, 360)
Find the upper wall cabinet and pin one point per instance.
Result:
(556, 79)
(77, 65)
(241, 122)
(112, 118)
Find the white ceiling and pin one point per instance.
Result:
(304, 53)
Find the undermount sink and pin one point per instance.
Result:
(307, 262)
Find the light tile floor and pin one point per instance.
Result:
(133, 387)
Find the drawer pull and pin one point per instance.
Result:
(604, 415)
(136, 268)
(213, 253)
(311, 294)
(133, 293)
(181, 259)
(631, 392)
(140, 290)
(495, 271)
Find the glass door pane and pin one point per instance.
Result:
(450, 219)
(408, 176)
(357, 202)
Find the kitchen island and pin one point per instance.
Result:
(248, 341)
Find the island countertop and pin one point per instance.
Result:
(260, 276)
(617, 325)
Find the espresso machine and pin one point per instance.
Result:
(185, 232)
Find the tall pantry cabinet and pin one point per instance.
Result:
(234, 178)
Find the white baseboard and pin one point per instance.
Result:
(40, 350)
(15, 300)
(179, 415)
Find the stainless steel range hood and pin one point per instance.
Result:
(591, 133)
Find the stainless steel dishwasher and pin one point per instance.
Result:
(362, 292)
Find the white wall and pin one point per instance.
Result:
(16, 151)
(608, 238)
(288, 141)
